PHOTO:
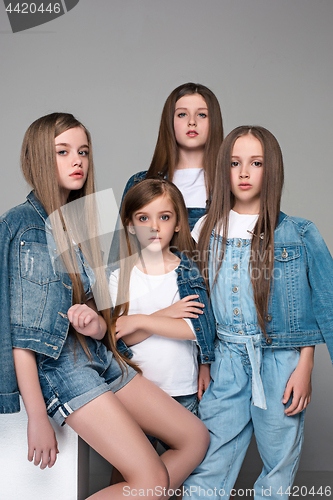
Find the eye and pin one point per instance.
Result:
(181, 115)
(143, 218)
(257, 163)
(62, 152)
(165, 217)
(84, 153)
(234, 163)
(202, 115)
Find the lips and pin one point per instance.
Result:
(78, 174)
(244, 186)
(192, 133)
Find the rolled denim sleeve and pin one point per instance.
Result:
(9, 395)
(320, 275)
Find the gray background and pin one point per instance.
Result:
(113, 63)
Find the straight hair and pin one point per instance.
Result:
(39, 166)
(166, 154)
(262, 245)
(137, 197)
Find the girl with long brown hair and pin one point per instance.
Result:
(269, 277)
(58, 343)
(189, 138)
(155, 292)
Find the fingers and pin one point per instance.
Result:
(297, 405)
(80, 315)
(46, 458)
(287, 393)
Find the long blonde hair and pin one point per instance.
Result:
(137, 197)
(38, 163)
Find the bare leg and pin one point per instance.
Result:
(108, 427)
(161, 416)
(111, 425)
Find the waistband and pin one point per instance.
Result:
(254, 350)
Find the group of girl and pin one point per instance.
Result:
(226, 329)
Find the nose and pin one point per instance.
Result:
(77, 160)
(243, 174)
(192, 122)
(155, 227)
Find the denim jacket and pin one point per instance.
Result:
(35, 295)
(300, 308)
(194, 213)
(190, 282)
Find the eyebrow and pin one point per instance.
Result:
(68, 145)
(254, 156)
(183, 107)
(161, 212)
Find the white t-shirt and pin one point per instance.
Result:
(191, 183)
(240, 226)
(169, 363)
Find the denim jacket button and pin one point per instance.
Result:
(197, 329)
(269, 341)
(235, 267)
(240, 332)
(236, 312)
(22, 243)
(284, 254)
(126, 354)
(269, 318)
(206, 358)
(235, 289)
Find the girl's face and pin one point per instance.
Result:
(191, 122)
(72, 160)
(155, 224)
(246, 174)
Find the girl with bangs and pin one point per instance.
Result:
(161, 307)
(56, 339)
(269, 277)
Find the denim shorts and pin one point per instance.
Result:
(72, 380)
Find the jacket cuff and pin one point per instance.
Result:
(9, 403)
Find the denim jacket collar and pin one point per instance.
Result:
(34, 201)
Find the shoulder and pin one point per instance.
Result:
(195, 233)
(134, 179)
(291, 223)
(21, 215)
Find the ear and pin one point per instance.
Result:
(131, 228)
(177, 229)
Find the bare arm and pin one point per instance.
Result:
(299, 384)
(137, 327)
(203, 379)
(42, 442)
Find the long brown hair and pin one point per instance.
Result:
(136, 198)
(166, 154)
(262, 246)
(39, 166)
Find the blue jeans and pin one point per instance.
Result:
(228, 412)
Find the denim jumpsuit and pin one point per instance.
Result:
(246, 391)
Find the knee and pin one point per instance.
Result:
(156, 481)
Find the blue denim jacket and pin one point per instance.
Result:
(300, 310)
(193, 213)
(190, 282)
(35, 295)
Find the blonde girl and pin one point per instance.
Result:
(54, 335)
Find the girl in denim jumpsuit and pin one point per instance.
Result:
(53, 334)
(270, 280)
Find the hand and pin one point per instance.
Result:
(187, 307)
(42, 442)
(203, 379)
(87, 321)
(125, 325)
(299, 383)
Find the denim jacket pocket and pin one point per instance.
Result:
(36, 263)
(286, 253)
